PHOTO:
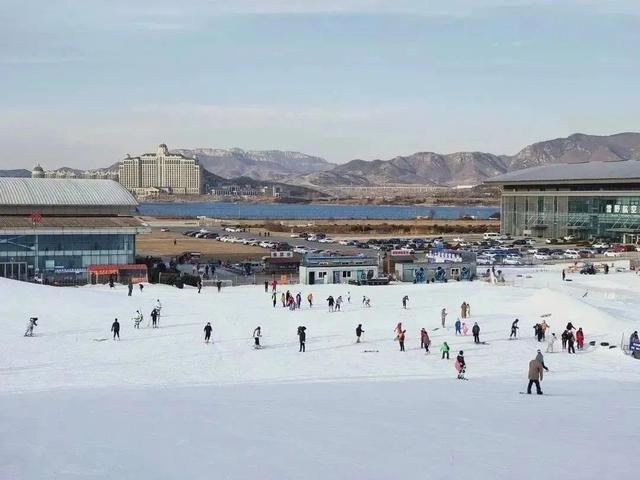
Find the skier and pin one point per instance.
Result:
(443, 316)
(465, 329)
(458, 326)
(563, 275)
(536, 373)
(405, 299)
(219, 285)
(425, 341)
(283, 299)
(130, 287)
(514, 329)
(540, 358)
(154, 318)
(476, 333)
(330, 302)
(460, 365)
(274, 299)
(207, 332)
(302, 334)
(266, 286)
(159, 311)
(580, 338)
(445, 350)
(137, 320)
(366, 301)
(570, 342)
(199, 284)
(552, 340)
(111, 285)
(115, 328)
(338, 303)
(564, 337)
(33, 322)
(348, 297)
(398, 330)
(310, 299)
(359, 332)
(401, 338)
(274, 284)
(257, 333)
(298, 300)
(463, 310)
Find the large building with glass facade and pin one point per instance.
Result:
(47, 225)
(593, 200)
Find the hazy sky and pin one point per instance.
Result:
(83, 82)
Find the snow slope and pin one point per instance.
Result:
(162, 404)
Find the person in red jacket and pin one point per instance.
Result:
(580, 339)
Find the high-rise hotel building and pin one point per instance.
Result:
(169, 172)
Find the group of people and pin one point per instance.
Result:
(465, 310)
(572, 337)
(137, 320)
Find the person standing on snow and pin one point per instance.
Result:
(468, 309)
(445, 350)
(443, 316)
(359, 332)
(536, 373)
(633, 338)
(137, 320)
(338, 303)
(302, 336)
(401, 338)
(33, 322)
(330, 302)
(461, 365)
(266, 286)
(564, 275)
(564, 337)
(552, 340)
(570, 342)
(310, 299)
(398, 330)
(283, 299)
(219, 285)
(463, 310)
(199, 284)
(465, 329)
(348, 297)
(298, 300)
(130, 287)
(207, 332)
(274, 299)
(257, 333)
(115, 328)
(274, 285)
(540, 358)
(158, 311)
(476, 333)
(458, 326)
(425, 341)
(514, 329)
(580, 338)
(405, 299)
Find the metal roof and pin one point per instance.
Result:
(597, 172)
(63, 192)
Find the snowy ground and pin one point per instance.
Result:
(162, 404)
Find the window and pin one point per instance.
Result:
(346, 274)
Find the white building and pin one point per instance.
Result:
(170, 172)
(337, 269)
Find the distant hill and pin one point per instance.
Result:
(21, 173)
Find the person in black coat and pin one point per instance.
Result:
(302, 334)
(115, 328)
(154, 318)
(359, 332)
(514, 329)
(207, 332)
(266, 285)
(476, 333)
(130, 286)
(219, 285)
(462, 363)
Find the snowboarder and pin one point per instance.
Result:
(514, 329)
(425, 341)
(274, 299)
(476, 332)
(130, 287)
(460, 365)
(33, 322)
(445, 350)
(302, 334)
(401, 338)
(552, 340)
(115, 328)
(330, 302)
(257, 333)
(571, 339)
(154, 318)
(536, 373)
(463, 310)
(443, 316)
(580, 338)
(359, 332)
(310, 299)
(207, 332)
(137, 320)
(458, 326)
(405, 299)
(540, 358)
(266, 286)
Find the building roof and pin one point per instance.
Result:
(23, 225)
(38, 192)
(587, 172)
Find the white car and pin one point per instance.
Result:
(457, 239)
(611, 253)
(541, 256)
(300, 249)
(512, 260)
(484, 261)
(600, 245)
(572, 254)
(344, 242)
(569, 238)
(164, 229)
(532, 250)
(295, 235)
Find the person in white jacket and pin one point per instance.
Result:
(158, 309)
(550, 342)
(33, 322)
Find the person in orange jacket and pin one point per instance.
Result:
(401, 338)
(580, 338)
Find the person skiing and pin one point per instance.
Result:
(476, 332)
(425, 341)
(580, 338)
(274, 299)
(443, 316)
(199, 284)
(564, 337)
(330, 302)
(141, 287)
(266, 286)
(302, 334)
(463, 310)
(465, 329)
(310, 299)
(458, 326)
(298, 300)
(338, 303)
(33, 322)
(283, 299)
(274, 285)
(154, 318)
(137, 320)
(445, 350)
(159, 311)
(401, 338)
(564, 275)
(207, 332)
(405, 299)
(570, 342)
(130, 287)
(115, 328)
(460, 365)
(550, 342)
(536, 373)
(359, 332)
(219, 285)
(514, 329)
(398, 330)
(540, 358)
(257, 333)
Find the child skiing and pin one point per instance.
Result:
(514, 329)
(443, 316)
(550, 342)
(460, 365)
(33, 322)
(458, 326)
(425, 341)
(257, 333)
(207, 332)
(401, 338)
(445, 350)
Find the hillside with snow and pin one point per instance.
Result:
(161, 403)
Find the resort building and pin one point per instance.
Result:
(323, 269)
(171, 173)
(594, 200)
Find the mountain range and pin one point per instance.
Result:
(422, 168)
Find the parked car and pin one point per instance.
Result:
(569, 238)
(586, 253)
(600, 245)
(165, 229)
(541, 256)
(512, 260)
(612, 253)
(571, 254)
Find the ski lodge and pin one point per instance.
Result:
(338, 269)
(54, 228)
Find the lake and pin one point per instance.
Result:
(265, 211)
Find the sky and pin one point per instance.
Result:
(84, 82)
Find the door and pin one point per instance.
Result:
(312, 278)
(336, 277)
